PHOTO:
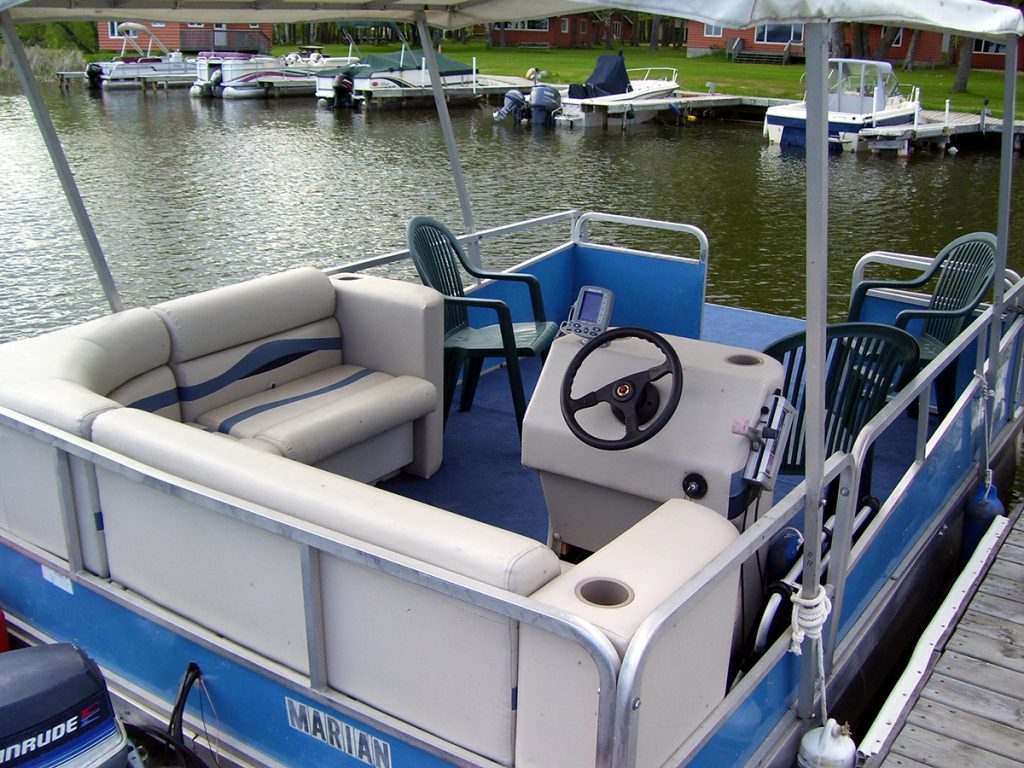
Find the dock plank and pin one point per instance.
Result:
(969, 709)
(940, 751)
(976, 699)
(1004, 588)
(1009, 570)
(1013, 553)
(992, 676)
(969, 728)
(997, 607)
(982, 646)
(894, 760)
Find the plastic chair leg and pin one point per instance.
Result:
(452, 367)
(470, 378)
(515, 383)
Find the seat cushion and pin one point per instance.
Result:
(317, 416)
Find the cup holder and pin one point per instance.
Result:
(742, 359)
(604, 593)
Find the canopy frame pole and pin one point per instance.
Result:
(449, 134)
(816, 52)
(60, 162)
(1006, 159)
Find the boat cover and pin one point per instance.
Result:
(399, 60)
(608, 78)
(974, 17)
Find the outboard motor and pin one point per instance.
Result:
(93, 73)
(515, 105)
(344, 87)
(216, 83)
(55, 711)
(544, 102)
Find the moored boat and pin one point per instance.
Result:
(862, 94)
(614, 94)
(170, 68)
(253, 486)
(401, 78)
(234, 75)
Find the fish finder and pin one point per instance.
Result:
(591, 313)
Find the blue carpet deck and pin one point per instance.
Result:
(483, 478)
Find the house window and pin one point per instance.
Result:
(193, 25)
(987, 46)
(617, 30)
(157, 24)
(534, 25)
(898, 40)
(583, 26)
(712, 30)
(565, 25)
(112, 31)
(221, 27)
(254, 26)
(779, 34)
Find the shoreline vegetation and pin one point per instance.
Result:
(564, 65)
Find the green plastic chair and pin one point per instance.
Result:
(965, 270)
(438, 255)
(864, 364)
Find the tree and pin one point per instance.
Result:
(908, 60)
(965, 51)
(888, 38)
(839, 49)
(655, 32)
(860, 41)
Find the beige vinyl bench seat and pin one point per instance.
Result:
(340, 373)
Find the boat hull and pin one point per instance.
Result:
(787, 126)
(617, 110)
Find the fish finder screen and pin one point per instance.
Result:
(591, 307)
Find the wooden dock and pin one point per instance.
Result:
(961, 701)
(936, 128)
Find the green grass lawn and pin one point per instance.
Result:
(574, 65)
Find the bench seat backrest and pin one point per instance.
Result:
(232, 342)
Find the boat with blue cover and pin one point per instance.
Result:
(252, 508)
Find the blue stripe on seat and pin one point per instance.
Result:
(154, 403)
(266, 357)
(228, 424)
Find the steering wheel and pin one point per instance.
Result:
(627, 394)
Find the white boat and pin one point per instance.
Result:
(187, 491)
(401, 78)
(234, 75)
(168, 68)
(614, 94)
(862, 94)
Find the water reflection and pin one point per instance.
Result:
(189, 194)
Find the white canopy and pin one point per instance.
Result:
(974, 17)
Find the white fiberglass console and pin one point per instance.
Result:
(596, 491)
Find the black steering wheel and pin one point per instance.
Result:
(627, 395)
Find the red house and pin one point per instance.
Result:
(581, 30)
(778, 42)
(191, 38)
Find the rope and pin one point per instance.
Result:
(809, 617)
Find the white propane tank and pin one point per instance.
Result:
(828, 746)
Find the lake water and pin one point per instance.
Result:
(188, 194)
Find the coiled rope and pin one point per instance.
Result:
(808, 619)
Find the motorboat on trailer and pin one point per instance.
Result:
(401, 78)
(169, 68)
(862, 94)
(236, 75)
(612, 95)
(251, 489)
